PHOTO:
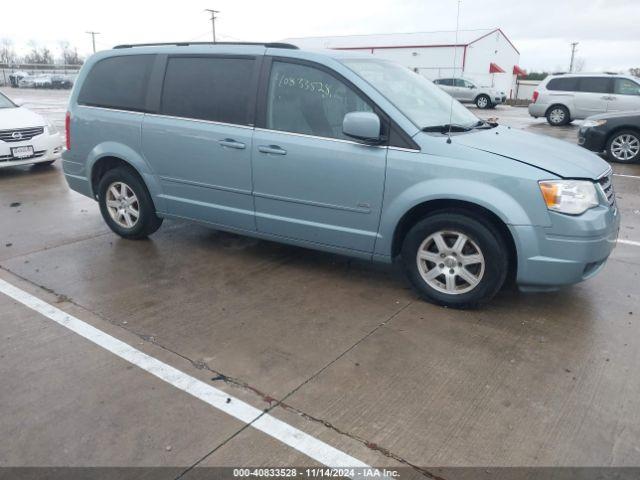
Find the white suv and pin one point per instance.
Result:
(567, 97)
(26, 137)
(464, 90)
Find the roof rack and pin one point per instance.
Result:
(186, 44)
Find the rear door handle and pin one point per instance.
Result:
(231, 143)
(272, 149)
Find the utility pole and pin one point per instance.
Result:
(213, 21)
(573, 55)
(93, 39)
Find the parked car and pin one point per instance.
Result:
(25, 137)
(566, 97)
(466, 91)
(15, 77)
(617, 134)
(335, 151)
(61, 82)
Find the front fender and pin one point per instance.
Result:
(497, 201)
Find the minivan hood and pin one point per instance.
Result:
(20, 117)
(555, 156)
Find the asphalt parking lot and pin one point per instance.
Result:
(335, 348)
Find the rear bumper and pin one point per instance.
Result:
(537, 110)
(75, 174)
(592, 139)
(571, 251)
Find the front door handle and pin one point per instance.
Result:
(272, 149)
(231, 143)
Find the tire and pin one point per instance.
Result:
(489, 271)
(111, 187)
(624, 146)
(483, 102)
(558, 115)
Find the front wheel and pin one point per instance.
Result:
(126, 205)
(624, 147)
(455, 260)
(483, 102)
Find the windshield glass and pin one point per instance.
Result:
(5, 102)
(415, 96)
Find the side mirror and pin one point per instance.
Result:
(364, 126)
(472, 87)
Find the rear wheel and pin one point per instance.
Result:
(558, 115)
(483, 102)
(455, 260)
(126, 205)
(624, 147)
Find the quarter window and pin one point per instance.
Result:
(303, 99)
(563, 84)
(118, 82)
(624, 86)
(209, 88)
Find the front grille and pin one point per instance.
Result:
(20, 134)
(607, 188)
(10, 158)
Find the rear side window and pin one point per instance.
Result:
(446, 81)
(595, 85)
(118, 82)
(209, 88)
(563, 84)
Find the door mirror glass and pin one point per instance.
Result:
(363, 126)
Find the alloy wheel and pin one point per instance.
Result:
(122, 204)
(450, 262)
(557, 116)
(625, 147)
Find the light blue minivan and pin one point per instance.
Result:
(339, 152)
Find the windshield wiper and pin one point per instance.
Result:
(453, 127)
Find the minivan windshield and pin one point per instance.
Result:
(5, 102)
(426, 105)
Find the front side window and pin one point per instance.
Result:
(595, 84)
(307, 100)
(624, 86)
(417, 98)
(209, 88)
(118, 82)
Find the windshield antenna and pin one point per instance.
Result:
(455, 58)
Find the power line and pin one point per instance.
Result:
(213, 21)
(93, 39)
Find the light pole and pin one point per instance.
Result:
(213, 21)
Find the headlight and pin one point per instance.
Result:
(51, 128)
(569, 196)
(593, 123)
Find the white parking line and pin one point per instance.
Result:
(285, 433)
(629, 242)
(627, 176)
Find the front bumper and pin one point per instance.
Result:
(592, 139)
(574, 249)
(47, 148)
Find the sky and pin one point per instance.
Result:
(608, 30)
